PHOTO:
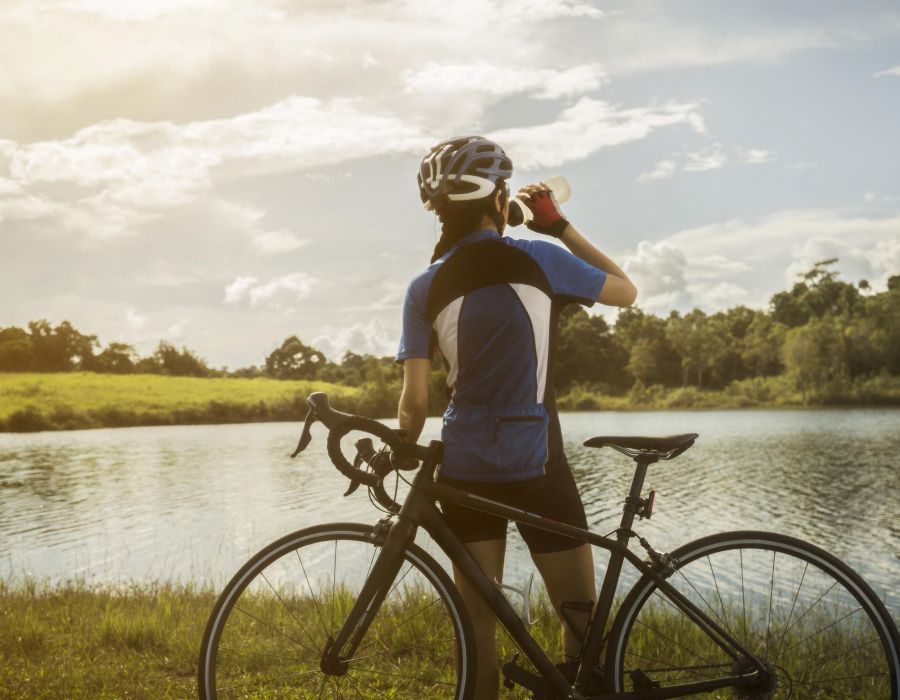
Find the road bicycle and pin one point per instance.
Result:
(347, 610)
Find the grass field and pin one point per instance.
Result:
(75, 642)
(65, 401)
(73, 400)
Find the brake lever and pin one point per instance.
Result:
(306, 435)
(365, 450)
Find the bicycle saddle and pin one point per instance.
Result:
(666, 447)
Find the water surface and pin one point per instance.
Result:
(191, 503)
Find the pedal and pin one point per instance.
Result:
(642, 681)
(514, 675)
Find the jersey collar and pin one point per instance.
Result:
(483, 234)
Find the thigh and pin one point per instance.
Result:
(471, 525)
(554, 496)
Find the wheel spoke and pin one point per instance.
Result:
(313, 595)
(826, 627)
(719, 594)
(818, 627)
(303, 629)
(777, 653)
(275, 629)
(269, 640)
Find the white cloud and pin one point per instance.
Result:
(134, 320)
(658, 271)
(710, 158)
(277, 241)
(279, 293)
(866, 245)
(134, 169)
(648, 38)
(501, 80)
(392, 298)
(873, 261)
(869, 197)
(248, 220)
(890, 71)
(239, 289)
(374, 337)
(662, 170)
(589, 126)
(753, 156)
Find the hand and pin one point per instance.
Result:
(548, 218)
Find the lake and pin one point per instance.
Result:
(191, 503)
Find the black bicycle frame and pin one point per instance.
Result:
(419, 510)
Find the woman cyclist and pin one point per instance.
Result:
(490, 304)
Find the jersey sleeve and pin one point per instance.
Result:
(569, 275)
(416, 338)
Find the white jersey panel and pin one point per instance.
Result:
(537, 304)
(447, 327)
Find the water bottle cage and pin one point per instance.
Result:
(642, 507)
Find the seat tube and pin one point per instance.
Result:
(594, 643)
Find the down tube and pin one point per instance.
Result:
(432, 521)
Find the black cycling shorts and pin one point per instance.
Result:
(553, 495)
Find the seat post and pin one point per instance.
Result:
(643, 460)
(594, 643)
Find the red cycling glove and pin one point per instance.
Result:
(547, 219)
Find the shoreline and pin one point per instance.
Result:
(31, 402)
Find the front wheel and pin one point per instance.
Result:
(818, 627)
(269, 628)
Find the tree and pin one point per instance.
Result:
(179, 363)
(294, 360)
(16, 351)
(586, 351)
(762, 347)
(657, 361)
(60, 349)
(818, 293)
(117, 358)
(698, 345)
(815, 355)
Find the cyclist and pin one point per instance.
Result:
(490, 304)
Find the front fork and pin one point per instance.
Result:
(395, 538)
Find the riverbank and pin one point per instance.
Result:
(31, 402)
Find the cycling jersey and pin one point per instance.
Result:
(490, 305)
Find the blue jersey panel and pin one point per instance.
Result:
(568, 275)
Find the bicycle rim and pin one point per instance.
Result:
(266, 635)
(819, 628)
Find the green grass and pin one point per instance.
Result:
(72, 400)
(73, 641)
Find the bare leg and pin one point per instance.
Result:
(569, 576)
(489, 554)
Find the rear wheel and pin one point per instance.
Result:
(267, 633)
(817, 625)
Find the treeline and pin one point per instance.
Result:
(824, 338)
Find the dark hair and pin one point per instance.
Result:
(459, 219)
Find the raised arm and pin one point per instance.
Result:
(618, 290)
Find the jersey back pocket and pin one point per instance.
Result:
(495, 443)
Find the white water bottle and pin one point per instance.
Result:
(519, 213)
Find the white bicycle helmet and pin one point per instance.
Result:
(460, 169)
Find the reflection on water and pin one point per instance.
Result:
(192, 502)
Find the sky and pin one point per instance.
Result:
(223, 174)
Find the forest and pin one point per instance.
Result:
(826, 339)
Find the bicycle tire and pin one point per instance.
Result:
(266, 633)
(804, 588)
